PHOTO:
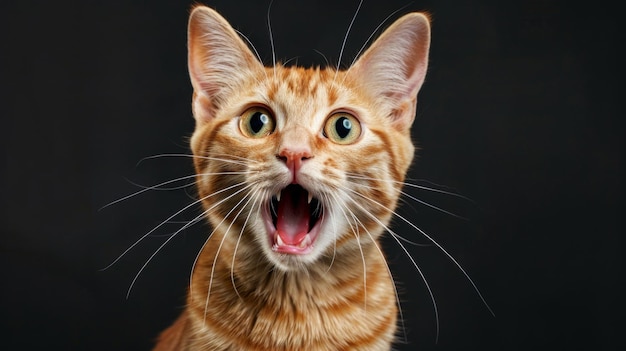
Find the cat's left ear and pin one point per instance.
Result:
(393, 69)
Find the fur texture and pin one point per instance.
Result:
(299, 170)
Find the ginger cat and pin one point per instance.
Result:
(299, 171)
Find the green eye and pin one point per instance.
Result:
(257, 122)
(342, 128)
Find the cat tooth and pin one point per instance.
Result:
(278, 195)
(279, 241)
(310, 198)
(305, 242)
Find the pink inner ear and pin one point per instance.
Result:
(203, 107)
(404, 115)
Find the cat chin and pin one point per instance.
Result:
(291, 263)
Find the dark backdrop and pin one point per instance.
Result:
(519, 113)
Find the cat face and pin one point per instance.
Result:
(299, 164)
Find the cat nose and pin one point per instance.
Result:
(293, 158)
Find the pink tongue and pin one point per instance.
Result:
(293, 215)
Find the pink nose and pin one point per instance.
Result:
(293, 158)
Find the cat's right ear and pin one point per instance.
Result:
(394, 67)
(219, 61)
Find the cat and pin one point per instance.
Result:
(299, 171)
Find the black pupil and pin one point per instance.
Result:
(258, 121)
(343, 126)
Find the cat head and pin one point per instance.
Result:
(301, 164)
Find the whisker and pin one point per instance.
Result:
(435, 243)
(213, 231)
(433, 206)
(355, 231)
(358, 241)
(273, 209)
(167, 220)
(430, 291)
(421, 187)
(236, 159)
(400, 237)
(395, 290)
(324, 56)
(295, 58)
(345, 39)
(253, 48)
(256, 196)
(356, 57)
(146, 189)
(358, 54)
(219, 248)
(332, 260)
(395, 237)
(189, 224)
(160, 186)
(422, 202)
(269, 27)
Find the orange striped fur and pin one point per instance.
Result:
(248, 290)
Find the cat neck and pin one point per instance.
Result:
(250, 273)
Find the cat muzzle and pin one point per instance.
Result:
(293, 222)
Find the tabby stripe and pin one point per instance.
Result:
(396, 173)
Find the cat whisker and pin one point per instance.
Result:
(195, 262)
(358, 54)
(355, 231)
(269, 28)
(189, 224)
(332, 260)
(295, 58)
(324, 56)
(345, 39)
(430, 291)
(458, 265)
(386, 264)
(394, 234)
(150, 232)
(231, 158)
(433, 206)
(154, 187)
(161, 186)
(256, 196)
(412, 185)
(246, 160)
(253, 48)
(356, 57)
(219, 248)
(420, 272)
(423, 203)
(168, 219)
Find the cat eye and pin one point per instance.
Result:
(256, 122)
(342, 128)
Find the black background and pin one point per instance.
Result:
(519, 113)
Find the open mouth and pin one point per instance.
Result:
(293, 219)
